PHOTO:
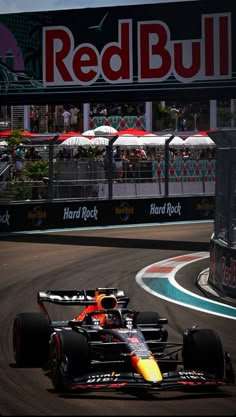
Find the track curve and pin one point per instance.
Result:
(105, 257)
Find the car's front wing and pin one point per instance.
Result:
(177, 380)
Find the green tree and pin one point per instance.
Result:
(36, 170)
(161, 116)
(14, 139)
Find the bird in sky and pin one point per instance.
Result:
(99, 27)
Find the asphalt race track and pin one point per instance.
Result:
(98, 258)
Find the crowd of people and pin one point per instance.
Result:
(126, 163)
(19, 155)
(131, 163)
(60, 119)
(116, 109)
(66, 119)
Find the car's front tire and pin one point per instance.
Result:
(68, 358)
(203, 351)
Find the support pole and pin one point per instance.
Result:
(167, 160)
(51, 168)
(110, 173)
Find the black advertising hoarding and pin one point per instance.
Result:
(144, 52)
(71, 214)
(223, 268)
(161, 210)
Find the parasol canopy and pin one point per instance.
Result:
(177, 143)
(128, 141)
(99, 141)
(89, 133)
(133, 131)
(76, 141)
(199, 141)
(105, 129)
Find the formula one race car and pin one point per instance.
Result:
(114, 347)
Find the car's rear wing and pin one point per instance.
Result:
(80, 297)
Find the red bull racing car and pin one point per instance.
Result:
(110, 346)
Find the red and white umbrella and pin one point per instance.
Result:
(133, 131)
(199, 141)
(203, 132)
(64, 136)
(6, 133)
(67, 135)
(105, 130)
(77, 141)
(154, 141)
(89, 133)
(177, 143)
(99, 141)
(128, 141)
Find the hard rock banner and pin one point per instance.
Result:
(140, 52)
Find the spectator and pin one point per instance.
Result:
(66, 118)
(134, 163)
(32, 119)
(19, 156)
(5, 156)
(181, 118)
(64, 153)
(50, 121)
(174, 117)
(74, 117)
(59, 120)
(32, 155)
(117, 155)
(37, 120)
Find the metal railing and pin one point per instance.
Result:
(89, 179)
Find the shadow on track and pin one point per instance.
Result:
(129, 396)
(57, 239)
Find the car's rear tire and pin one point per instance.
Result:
(68, 358)
(203, 351)
(31, 333)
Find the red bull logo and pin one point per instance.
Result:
(158, 56)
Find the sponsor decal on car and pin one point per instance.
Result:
(103, 378)
(191, 375)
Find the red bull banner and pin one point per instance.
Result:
(150, 51)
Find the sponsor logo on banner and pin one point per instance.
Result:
(229, 273)
(5, 218)
(159, 56)
(124, 211)
(37, 216)
(205, 207)
(80, 213)
(166, 208)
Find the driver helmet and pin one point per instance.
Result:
(111, 321)
(106, 301)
